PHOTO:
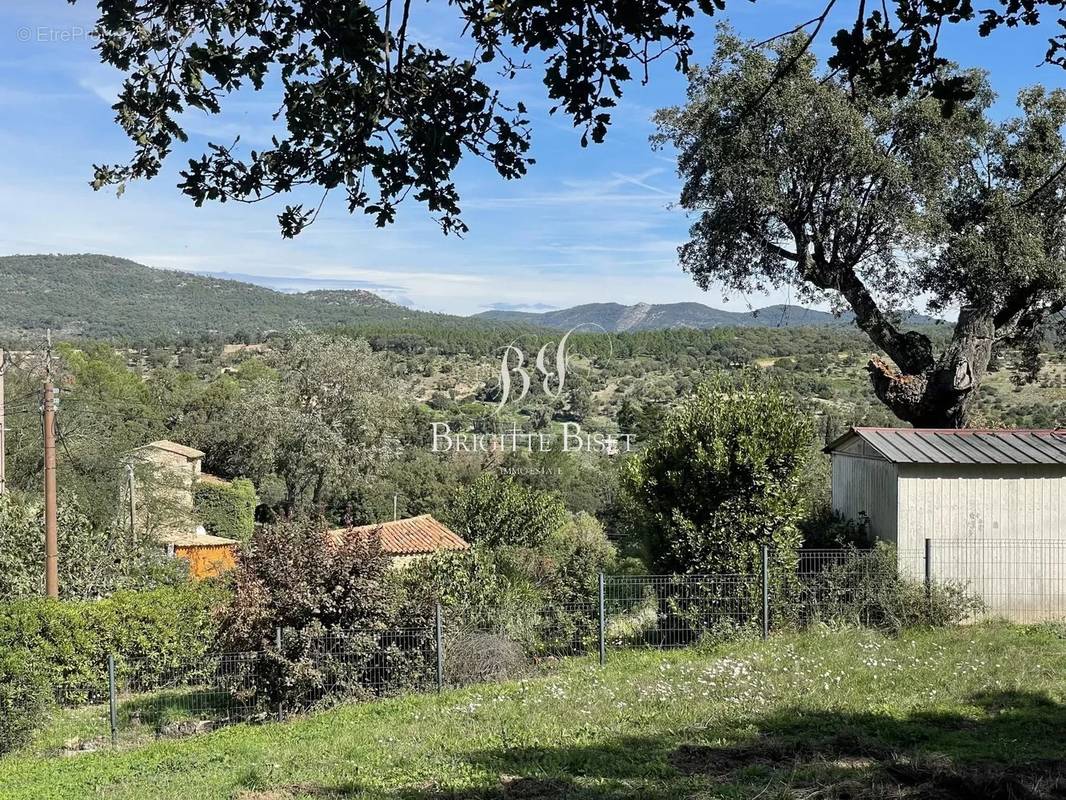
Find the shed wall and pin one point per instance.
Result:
(207, 561)
(864, 483)
(976, 501)
(995, 528)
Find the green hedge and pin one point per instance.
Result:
(151, 632)
(227, 509)
(25, 699)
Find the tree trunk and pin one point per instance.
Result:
(942, 395)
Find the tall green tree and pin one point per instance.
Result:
(497, 511)
(374, 110)
(725, 475)
(872, 203)
(322, 421)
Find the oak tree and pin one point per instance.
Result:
(876, 203)
(370, 107)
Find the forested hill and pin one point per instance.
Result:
(101, 296)
(618, 318)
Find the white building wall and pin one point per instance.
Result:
(971, 501)
(864, 483)
(996, 528)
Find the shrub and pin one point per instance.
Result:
(826, 528)
(150, 633)
(473, 656)
(101, 561)
(543, 598)
(227, 509)
(498, 511)
(725, 474)
(24, 698)
(329, 594)
(866, 588)
(578, 551)
(474, 590)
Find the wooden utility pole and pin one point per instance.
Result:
(51, 536)
(132, 485)
(3, 466)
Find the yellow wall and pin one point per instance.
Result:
(208, 561)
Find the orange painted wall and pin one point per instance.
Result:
(207, 562)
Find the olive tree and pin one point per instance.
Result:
(322, 421)
(874, 203)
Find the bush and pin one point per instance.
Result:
(543, 598)
(106, 560)
(474, 590)
(330, 595)
(150, 633)
(473, 656)
(725, 474)
(24, 698)
(227, 509)
(499, 511)
(866, 588)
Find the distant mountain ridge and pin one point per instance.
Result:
(104, 297)
(618, 318)
(98, 296)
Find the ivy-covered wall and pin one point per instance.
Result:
(227, 509)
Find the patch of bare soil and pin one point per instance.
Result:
(848, 769)
(518, 788)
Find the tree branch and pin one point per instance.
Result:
(912, 351)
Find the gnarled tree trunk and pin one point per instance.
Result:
(940, 394)
(921, 388)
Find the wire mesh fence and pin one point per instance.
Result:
(941, 583)
(677, 610)
(1021, 580)
(188, 697)
(353, 664)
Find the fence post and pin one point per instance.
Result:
(765, 591)
(603, 622)
(928, 570)
(439, 628)
(112, 699)
(277, 645)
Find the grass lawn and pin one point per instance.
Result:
(968, 712)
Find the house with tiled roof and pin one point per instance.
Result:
(406, 540)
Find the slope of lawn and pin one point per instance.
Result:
(968, 712)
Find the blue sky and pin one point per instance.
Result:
(590, 225)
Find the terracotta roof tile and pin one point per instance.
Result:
(194, 539)
(411, 536)
(173, 447)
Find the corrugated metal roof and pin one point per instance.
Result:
(962, 445)
(411, 536)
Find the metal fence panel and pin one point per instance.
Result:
(944, 582)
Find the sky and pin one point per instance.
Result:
(586, 225)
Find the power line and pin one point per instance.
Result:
(66, 451)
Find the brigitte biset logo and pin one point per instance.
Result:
(518, 378)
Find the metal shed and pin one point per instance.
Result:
(991, 502)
